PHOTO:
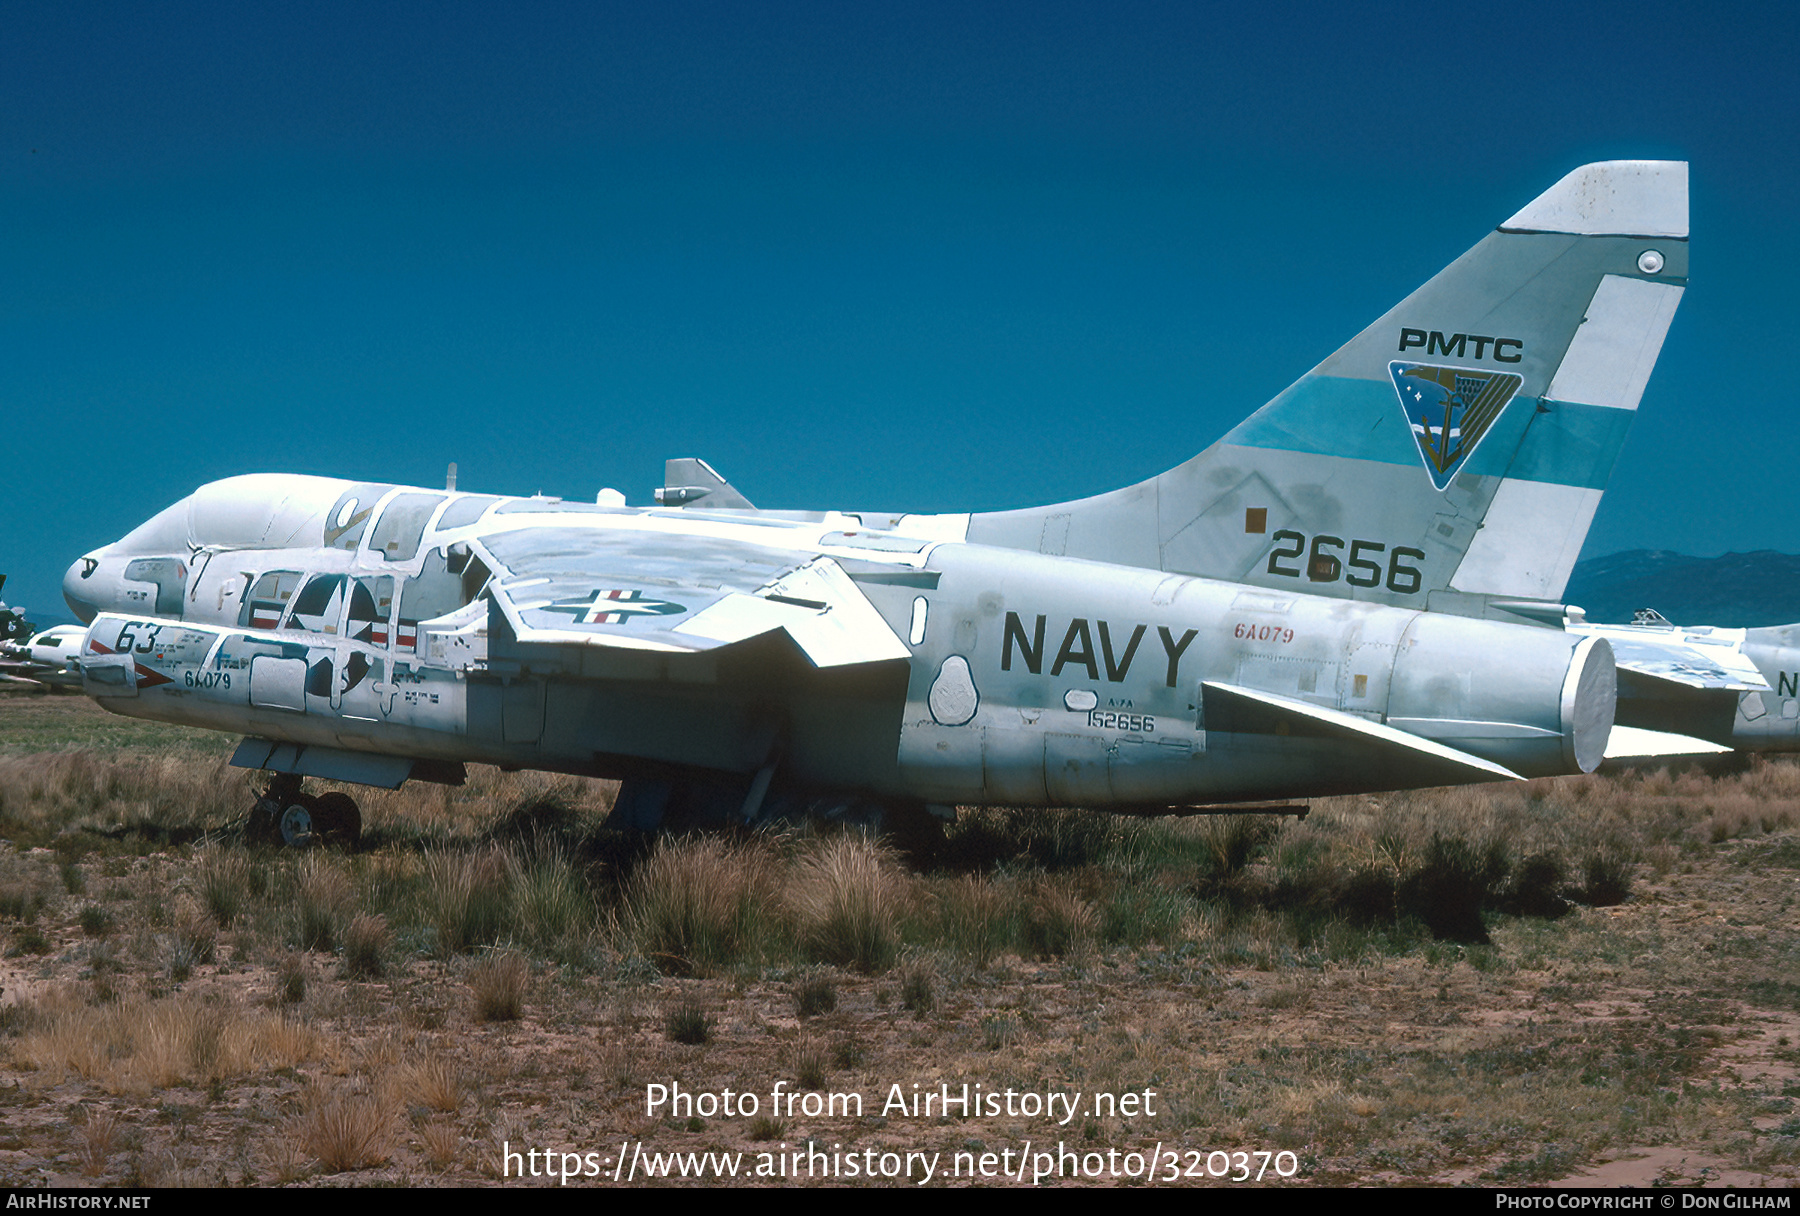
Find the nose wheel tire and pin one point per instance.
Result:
(335, 817)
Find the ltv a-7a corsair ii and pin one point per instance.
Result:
(1266, 621)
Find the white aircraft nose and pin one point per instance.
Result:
(81, 595)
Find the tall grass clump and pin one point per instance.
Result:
(367, 943)
(499, 982)
(1234, 841)
(972, 916)
(391, 883)
(97, 1140)
(468, 898)
(1067, 839)
(434, 1083)
(347, 1131)
(698, 904)
(224, 885)
(96, 921)
(815, 993)
(551, 904)
(1454, 881)
(1608, 877)
(848, 895)
(194, 943)
(918, 986)
(688, 1023)
(290, 980)
(545, 819)
(1140, 908)
(322, 900)
(1058, 922)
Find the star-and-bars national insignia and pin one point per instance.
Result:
(1449, 410)
(614, 607)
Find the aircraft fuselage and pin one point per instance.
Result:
(1012, 678)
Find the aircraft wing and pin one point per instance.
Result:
(680, 591)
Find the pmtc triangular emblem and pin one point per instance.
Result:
(1449, 410)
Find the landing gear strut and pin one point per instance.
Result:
(286, 815)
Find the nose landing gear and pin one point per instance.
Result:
(286, 815)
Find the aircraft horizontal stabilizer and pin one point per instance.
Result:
(1712, 681)
(1670, 662)
(1234, 709)
(1635, 743)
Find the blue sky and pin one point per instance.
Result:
(933, 257)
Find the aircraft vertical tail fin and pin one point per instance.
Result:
(1453, 453)
(687, 480)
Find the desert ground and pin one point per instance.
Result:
(1588, 981)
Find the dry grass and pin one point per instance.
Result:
(468, 897)
(346, 1130)
(918, 986)
(137, 1046)
(698, 904)
(1275, 983)
(194, 943)
(810, 1061)
(552, 910)
(848, 896)
(972, 915)
(224, 885)
(498, 983)
(442, 1143)
(815, 992)
(322, 901)
(97, 1131)
(688, 1023)
(367, 944)
(290, 979)
(1059, 921)
(173, 794)
(436, 1084)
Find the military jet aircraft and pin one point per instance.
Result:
(32, 659)
(1705, 689)
(43, 660)
(13, 625)
(1252, 625)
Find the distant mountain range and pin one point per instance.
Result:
(1761, 588)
